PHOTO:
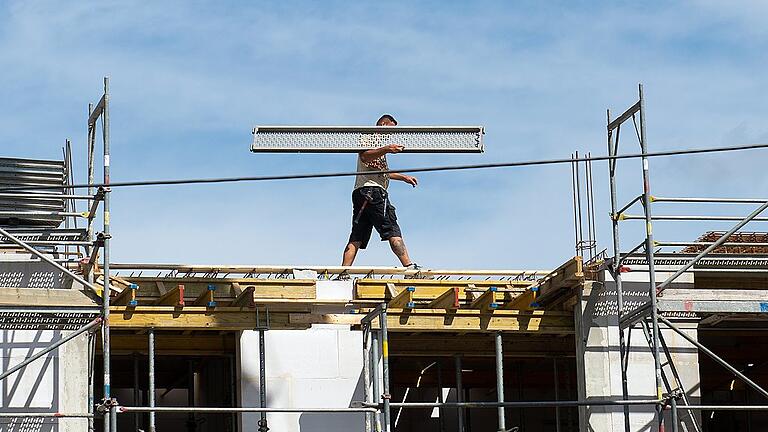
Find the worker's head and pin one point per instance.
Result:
(386, 120)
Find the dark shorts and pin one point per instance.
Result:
(371, 209)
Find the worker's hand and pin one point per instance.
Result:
(411, 180)
(395, 148)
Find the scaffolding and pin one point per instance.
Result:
(383, 295)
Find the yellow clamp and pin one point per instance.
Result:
(618, 217)
(651, 198)
(85, 214)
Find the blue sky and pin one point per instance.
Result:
(190, 79)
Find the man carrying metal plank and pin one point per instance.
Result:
(371, 205)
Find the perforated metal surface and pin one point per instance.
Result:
(42, 235)
(21, 318)
(32, 274)
(16, 173)
(342, 139)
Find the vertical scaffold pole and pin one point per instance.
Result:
(375, 372)
(367, 375)
(91, 364)
(616, 267)
(263, 426)
(500, 380)
(151, 387)
(459, 393)
(650, 258)
(556, 386)
(385, 365)
(105, 267)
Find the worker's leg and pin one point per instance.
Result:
(350, 252)
(398, 247)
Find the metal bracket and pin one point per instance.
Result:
(258, 319)
(105, 405)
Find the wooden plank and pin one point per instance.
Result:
(127, 296)
(404, 299)
(11, 296)
(487, 301)
(174, 297)
(472, 321)
(206, 297)
(196, 318)
(448, 300)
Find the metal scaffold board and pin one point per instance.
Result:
(35, 318)
(27, 209)
(352, 139)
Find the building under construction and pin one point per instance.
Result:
(627, 339)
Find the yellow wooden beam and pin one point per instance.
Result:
(206, 297)
(194, 318)
(428, 290)
(404, 299)
(174, 297)
(487, 301)
(524, 301)
(127, 296)
(447, 300)
(474, 321)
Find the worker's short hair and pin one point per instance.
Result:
(388, 117)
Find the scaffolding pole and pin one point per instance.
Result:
(385, 366)
(151, 386)
(500, 380)
(616, 264)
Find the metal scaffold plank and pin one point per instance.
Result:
(341, 139)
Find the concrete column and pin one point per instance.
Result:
(599, 363)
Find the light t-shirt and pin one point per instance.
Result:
(380, 180)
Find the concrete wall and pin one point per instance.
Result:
(320, 368)
(599, 359)
(57, 382)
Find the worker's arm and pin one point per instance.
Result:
(373, 154)
(411, 180)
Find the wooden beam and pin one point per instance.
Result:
(487, 301)
(524, 301)
(245, 298)
(561, 283)
(127, 297)
(447, 300)
(403, 300)
(174, 297)
(195, 318)
(206, 297)
(429, 290)
(12, 296)
(475, 321)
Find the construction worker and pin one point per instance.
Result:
(371, 207)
